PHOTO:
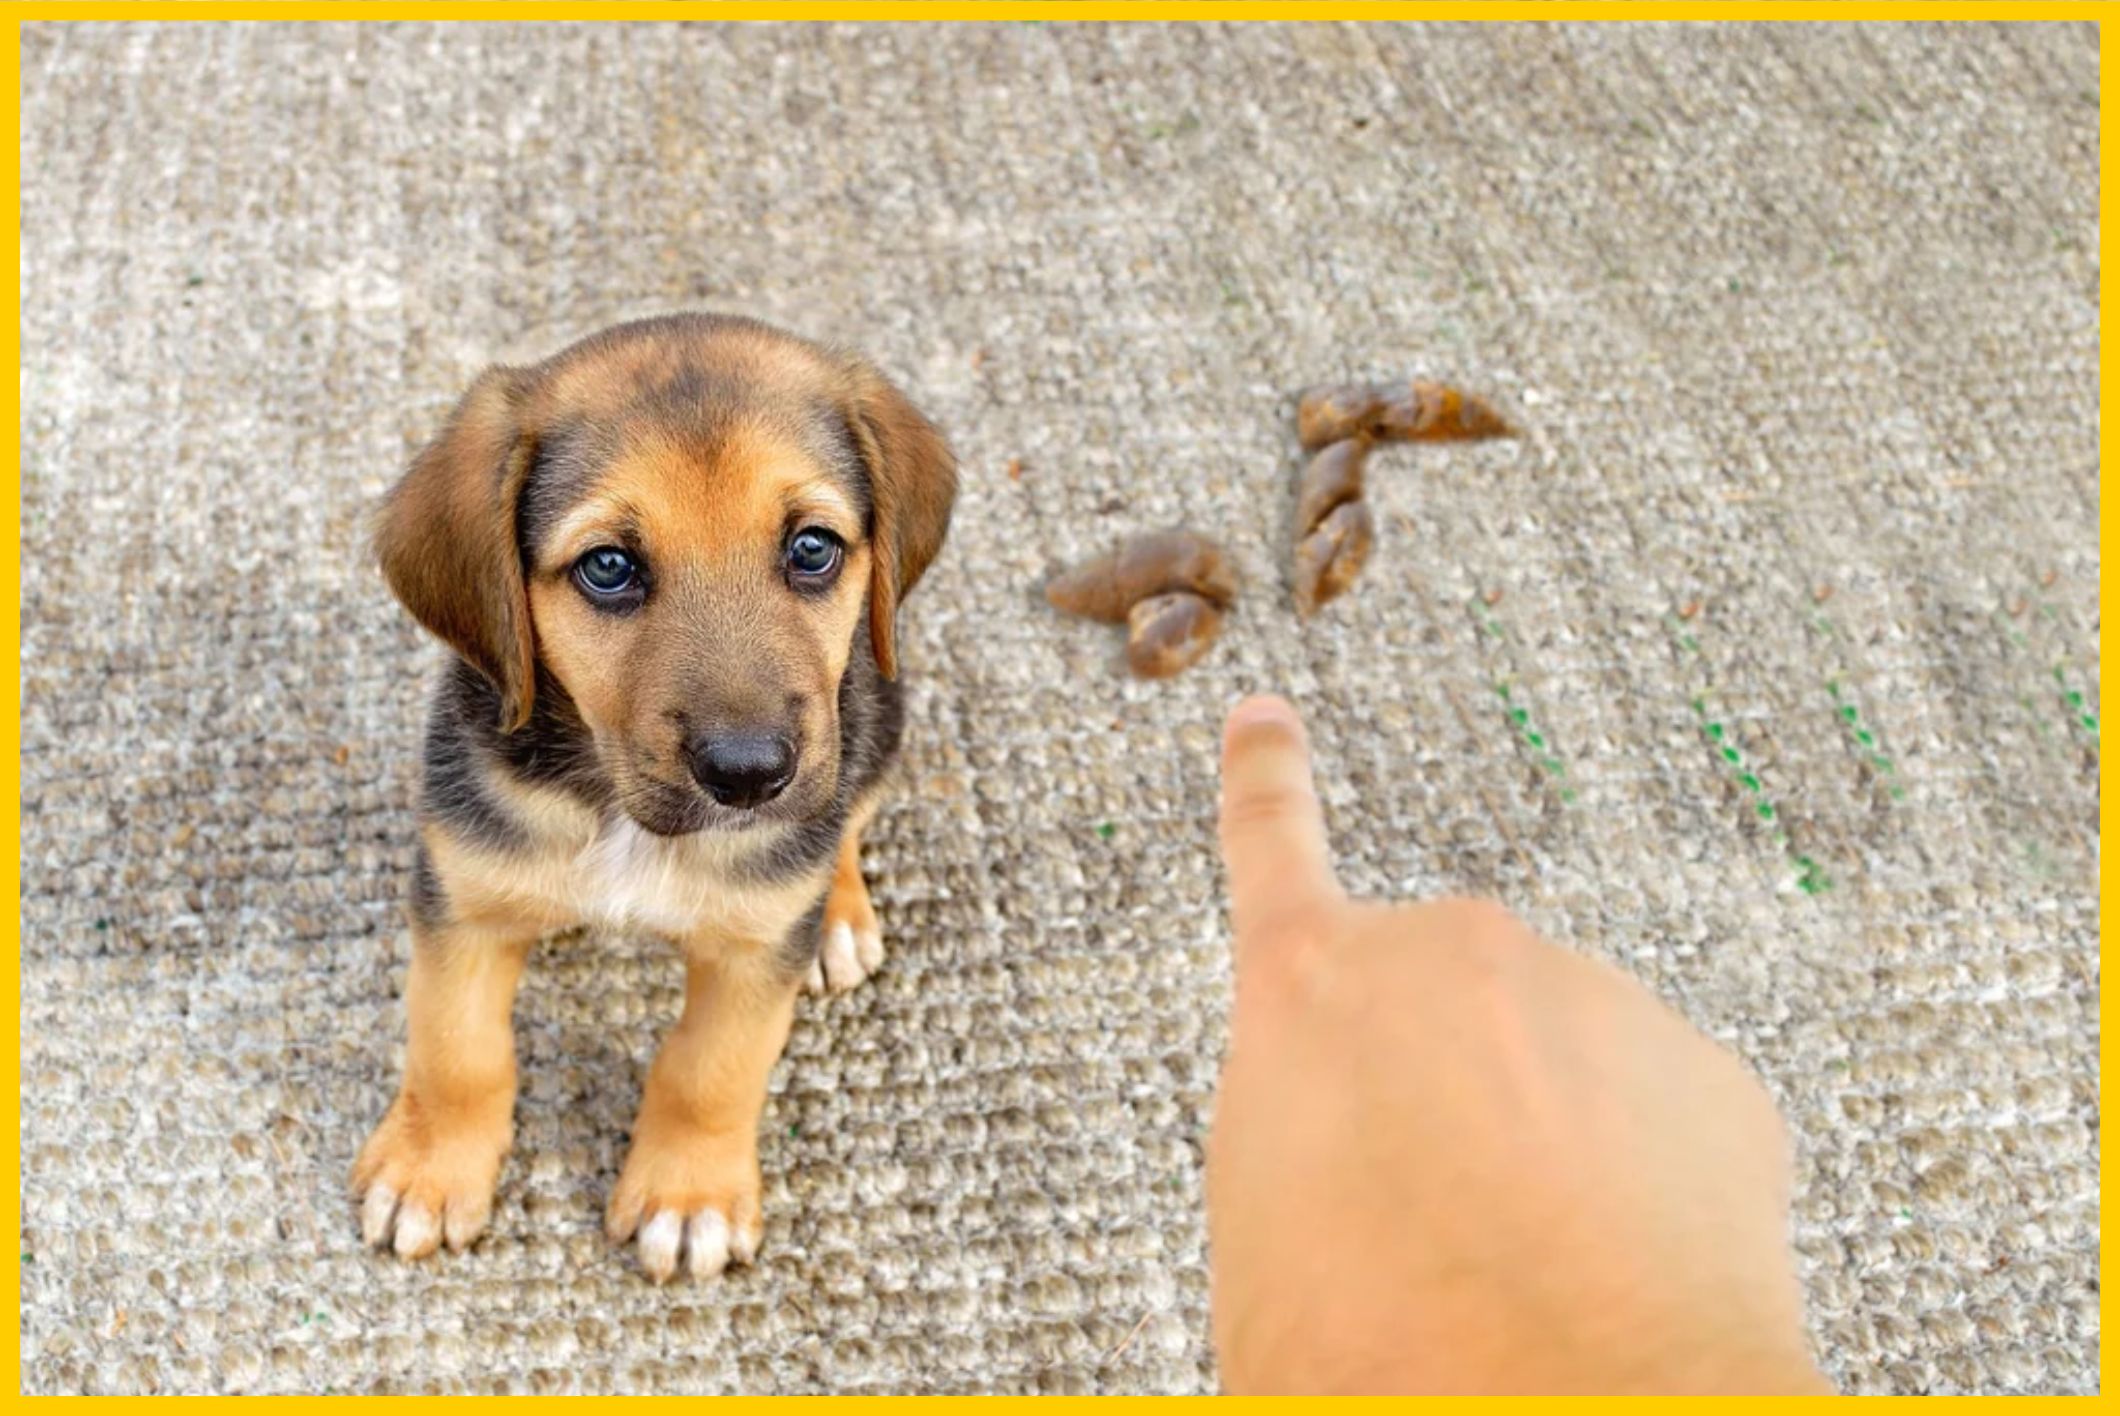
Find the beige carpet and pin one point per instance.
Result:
(1802, 325)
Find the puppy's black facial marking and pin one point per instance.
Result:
(463, 744)
(872, 721)
(801, 849)
(665, 810)
(696, 401)
(840, 448)
(682, 396)
(570, 456)
(454, 793)
(554, 749)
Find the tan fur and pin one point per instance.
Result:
(722, 639)
(607, 379)
(915, 488)
(848, 903)
(438, 1151)
(695, 1141)
(719, 525)
(446, 538)
(680, 888)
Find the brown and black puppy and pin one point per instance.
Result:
(669, 560)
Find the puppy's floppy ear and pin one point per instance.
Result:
(446, 538)
(912, 484)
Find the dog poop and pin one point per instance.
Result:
(1332, 555)
(1340, 423)
(1417, 411)
(1437, 412)
(1168, 587)
(1153, 564)
(1333, 477)
(1327, 415)
(1334, 526)
(1168, 634)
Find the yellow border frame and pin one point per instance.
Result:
(2097, 11)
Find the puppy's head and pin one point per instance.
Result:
(690, 525)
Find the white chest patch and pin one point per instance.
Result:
(629, 877)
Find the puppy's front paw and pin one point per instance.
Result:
(850, 946)
(424, 1182)
(687, 1198)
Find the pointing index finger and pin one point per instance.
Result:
(1273, 830)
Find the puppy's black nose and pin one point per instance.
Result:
(741, 768)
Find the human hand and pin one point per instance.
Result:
(1448, 1156)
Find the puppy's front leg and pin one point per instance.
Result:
(428, 1171)
(850, 943)
(690, 1184)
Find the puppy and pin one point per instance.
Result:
(669, 560)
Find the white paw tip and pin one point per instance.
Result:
(707, 1244)
(462, 1223)
(417, 1230)
(842, 969)
(813, 982)
(659, 1241)
(868, 949)
(743, 1243)
(377, 1206)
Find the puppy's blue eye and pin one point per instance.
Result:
(607, 571)
(813, 553)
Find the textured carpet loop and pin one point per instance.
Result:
(1765, 663)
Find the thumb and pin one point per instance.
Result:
(1273, 831)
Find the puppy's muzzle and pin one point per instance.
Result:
(743, 768)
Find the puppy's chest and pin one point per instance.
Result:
(627, 877)
(683, 887)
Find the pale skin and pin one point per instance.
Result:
(1451, 1157)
